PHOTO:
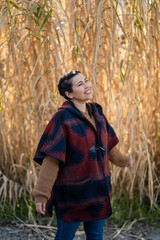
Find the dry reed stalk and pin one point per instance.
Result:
(117, 48)
(34, 228)
(40, 226)
(119, 231)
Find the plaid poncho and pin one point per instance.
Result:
(82, 189)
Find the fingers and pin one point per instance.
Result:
(129, 164)
(44, 207)
(41, 207)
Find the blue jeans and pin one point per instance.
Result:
(93, 229)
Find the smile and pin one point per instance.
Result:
(88, 92)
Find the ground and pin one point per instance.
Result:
(18, 230)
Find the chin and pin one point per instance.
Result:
(90, 97)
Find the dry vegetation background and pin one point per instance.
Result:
(116, 44)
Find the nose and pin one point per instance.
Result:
(86, 84)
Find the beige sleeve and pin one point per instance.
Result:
(117, 158)
(46, 179)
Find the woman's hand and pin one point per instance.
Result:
(129, 164)
(41, 207)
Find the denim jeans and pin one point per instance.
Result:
(93, 229)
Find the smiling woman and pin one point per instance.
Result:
(81, 92)
(74, 151)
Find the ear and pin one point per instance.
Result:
(69, 94)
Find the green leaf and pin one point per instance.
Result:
(35, 20)
(122, 76)
(107, 25)
(132, 68)
(5, 12)
(39, 15)
(35, 11)
(15, 5)
(87, 56)
(44, 4)
(38, 9)
(43, 8)
(129, 59)
(46, 18)
(0, 7)
(76, 48)
(81, 59)
(128, 14)
(137, 41)
(43, 41)
(134, 7)
(35, 14)
(34, 36)
(75, 56)
(138, 24)
(15, 20)
(152, 6)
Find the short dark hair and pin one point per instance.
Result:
(65, 84)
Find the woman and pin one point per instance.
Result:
(74, 151)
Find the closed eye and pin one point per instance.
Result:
(81, 83)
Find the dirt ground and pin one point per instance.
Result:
(17, 230)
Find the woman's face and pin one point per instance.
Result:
(81, 89)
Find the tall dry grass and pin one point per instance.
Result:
(116, 45)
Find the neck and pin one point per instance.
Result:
(81, 106)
